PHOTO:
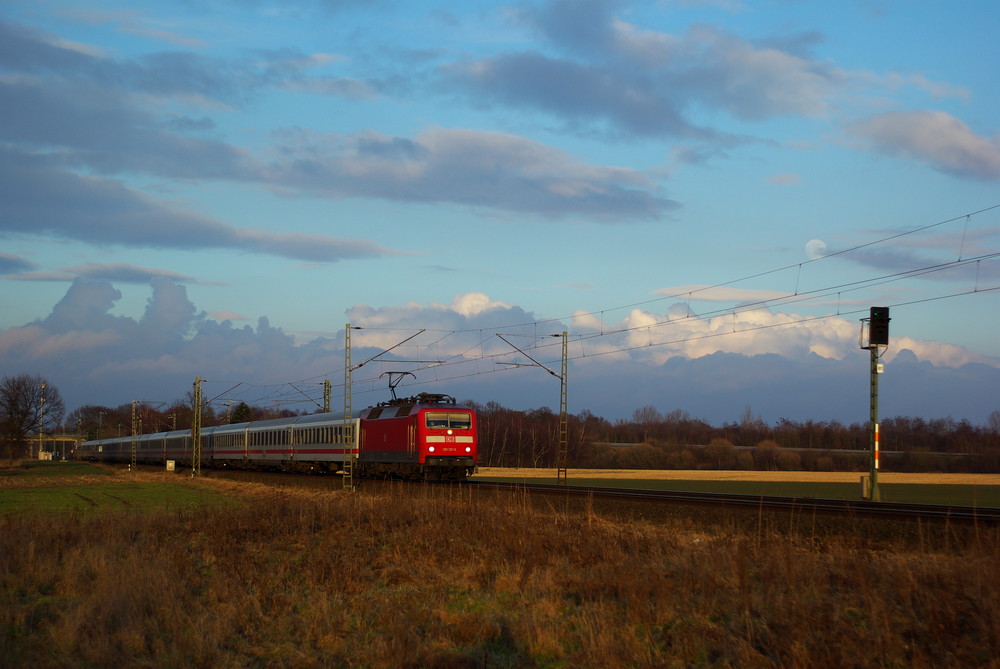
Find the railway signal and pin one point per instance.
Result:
(878, 326)
(878, 336)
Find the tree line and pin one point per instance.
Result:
(649, 439)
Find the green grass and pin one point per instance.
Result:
(33, 468)
(109, 497)
(953, 494)
(48, 487)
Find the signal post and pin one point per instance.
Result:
(878, 336)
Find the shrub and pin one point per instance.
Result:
(788, 461)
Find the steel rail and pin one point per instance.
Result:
(897, 510)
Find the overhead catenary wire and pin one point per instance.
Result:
(539, 340)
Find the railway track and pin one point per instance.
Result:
(802, 505)
(858, 508)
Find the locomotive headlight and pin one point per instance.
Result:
(430, 449)
(468, 449)
(449, 430)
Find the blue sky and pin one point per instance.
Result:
(706, 195)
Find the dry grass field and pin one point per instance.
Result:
(450, 577)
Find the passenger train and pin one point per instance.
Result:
(425, 437)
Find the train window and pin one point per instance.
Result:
(436, 420)
(461, 420)
(441, 420)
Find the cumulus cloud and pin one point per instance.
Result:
(933, 137)
(936, 353)
(655, 338)
(169, 314)
(85, 307)
(726, 361)
(99, 357)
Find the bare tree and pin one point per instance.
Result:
(647, 418)
(994, 421)
(28, 404)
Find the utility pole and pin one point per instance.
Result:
(347, 428)
(41, 419)
(135, 431)
(562, 448)
(196, 428)
(347, 435)
(562, 455)
(326, 396)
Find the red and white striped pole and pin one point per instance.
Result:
(876, 445)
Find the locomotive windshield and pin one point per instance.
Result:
(443, 420)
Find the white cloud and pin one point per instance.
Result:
(933, 137)
(937, 353)
(751, 357)
(655, 338)
(472, 304)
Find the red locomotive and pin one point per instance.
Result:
(427, 436)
